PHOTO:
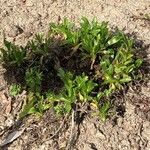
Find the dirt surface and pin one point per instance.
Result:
(19, 21)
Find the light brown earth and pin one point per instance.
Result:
(21, 19)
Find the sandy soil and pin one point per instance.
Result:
(21, 19)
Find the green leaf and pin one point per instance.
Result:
(67, 107)
(15, 89)
(114, 40)
(32, 110)
(29, 107)
(138, 63)
(125, 79)
(103, 112)
(33, 78)
(7, 44)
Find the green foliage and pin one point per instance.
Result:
(91, 38)
(29, 106)
(12, 55)
(15, 89)
(110, 54)
(33, 78)
(94, 37)
(40, 45)
(76, 89)
(68, 30)
(117, 69)
(103, 112)
(35, 104)
(84, 87)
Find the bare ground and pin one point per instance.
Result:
(20, 20)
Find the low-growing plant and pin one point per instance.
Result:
(33, 78)
(12, 55)
(40, 45)
(118, 68)
(35, 104)
(103, 111)
(109, 57)
(94, 37)
(15, 89)
(68, 30)
(76, 90)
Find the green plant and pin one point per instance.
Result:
(84, 88)
(68, 30)
(40, 45)
(35, 104)
(109, 57)
(12, 55)
(33, 78)
(15, 89)
(117, 69)
(103, 111)
(94, 37)
(76, 89)
(68, 95)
